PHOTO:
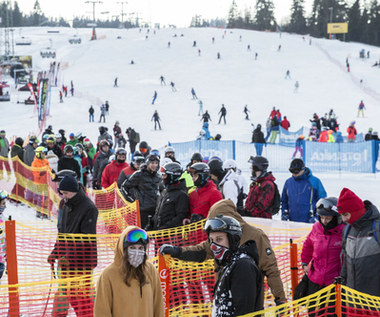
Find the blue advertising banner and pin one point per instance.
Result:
(289, 138)
(348, 157)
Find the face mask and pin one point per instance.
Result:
(2, 208)
(136, 257)
(120, 161)
(219, 251)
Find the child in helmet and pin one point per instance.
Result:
(238, 288)
(3, 197)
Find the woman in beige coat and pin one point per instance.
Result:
(130, 286)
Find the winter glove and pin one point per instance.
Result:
(51, 258)
(278, 302)
(94, 184)
(301, 289)
(285, 215)
(2, 269)
(196, 217)
(172, 250)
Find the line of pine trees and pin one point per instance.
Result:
(363, 18)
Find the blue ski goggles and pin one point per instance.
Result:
(135, 236)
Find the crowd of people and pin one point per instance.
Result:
(171, 195)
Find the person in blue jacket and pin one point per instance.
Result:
(207, 135)
(300, 194)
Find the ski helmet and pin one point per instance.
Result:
(173, 171)
(225, 224)
(71, 135)
(51, 139)
(296, 166)
(143, 145)
(152, 158)
(68, 148)
(58, 136)
(169, 149)
(327, 207)
(79, 146)
(216, 167)
(197, 157)
(138, 159)
(121, 151)
(103, 143)
(229, 164)
(41, 150)
(203, 170)
(259, 163)
(156, 152)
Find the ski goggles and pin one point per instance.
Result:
(215, 224)
(326, 204)
(3, 194)
(136, 236)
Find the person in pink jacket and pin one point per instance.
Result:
(321, 250)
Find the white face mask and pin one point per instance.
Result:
(136, 257)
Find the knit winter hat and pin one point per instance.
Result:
(349, 202)
(69, 184)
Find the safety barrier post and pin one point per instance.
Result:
(338, 296)
(48, 193)
(293, 266)
(138, 213)
(10, 242)
(17, 184)
(164, 273)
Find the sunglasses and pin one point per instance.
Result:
(136, 236)
(3, 194)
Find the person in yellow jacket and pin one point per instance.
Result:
(130, 286)
(267, 259)
(40, 170)
(331, 138)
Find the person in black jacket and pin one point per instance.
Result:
(144, 186)
(206, 117)
(222, 112)
(17, 149)
(258, 139)
(238, 288)
(78, 257)
(100, 163)
(173, 204)
(68, 162)
(361, 246)
(52, 146)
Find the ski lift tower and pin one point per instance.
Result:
(122, 12)
(93, 37)
(8, 23)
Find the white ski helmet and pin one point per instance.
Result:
(229, 164)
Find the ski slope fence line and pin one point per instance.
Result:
(358, 157)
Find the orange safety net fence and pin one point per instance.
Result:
(69, 286)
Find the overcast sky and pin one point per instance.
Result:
(178, 12)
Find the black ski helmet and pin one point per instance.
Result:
(259, 163)
(143, 145)
(296, 166)
(225, 224)
(327, 207)
(203, 170)
(68, 148)
(121, 151)
(197, 157)
(174, 172)
(216, 168)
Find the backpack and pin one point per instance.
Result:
(276, 203)
(375, 232)
(137, 137)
